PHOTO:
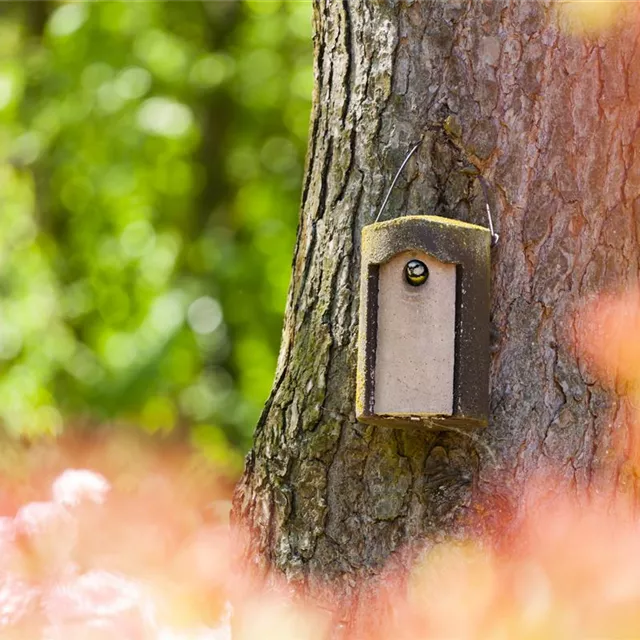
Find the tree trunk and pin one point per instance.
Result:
(549, 117)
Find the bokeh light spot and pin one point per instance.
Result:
(67, 19)
(211, 70)
(132, 83)
(163, 53)
(10, 341)
(198, 401)
(137, 238)
(8, 89)
(167, 312)
(85, 367)
(27, 147)
(156, 266)
(165, 117)
(204, 315)
(109, 100)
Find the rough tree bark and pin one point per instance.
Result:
(550, 119)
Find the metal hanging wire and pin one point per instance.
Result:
(395, 179)
(483, 184)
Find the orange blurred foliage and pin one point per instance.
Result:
(138, 548)
(135, 547)
(589, 17)
(572, 573)
(608, 337)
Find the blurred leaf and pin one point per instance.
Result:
(150, 172)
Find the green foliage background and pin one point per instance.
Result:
(152, 157)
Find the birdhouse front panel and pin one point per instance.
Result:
(423, 344)
(416, 335)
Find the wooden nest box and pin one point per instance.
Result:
(423, 346)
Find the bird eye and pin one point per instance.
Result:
(416, 272)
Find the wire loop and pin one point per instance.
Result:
(481, 179)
